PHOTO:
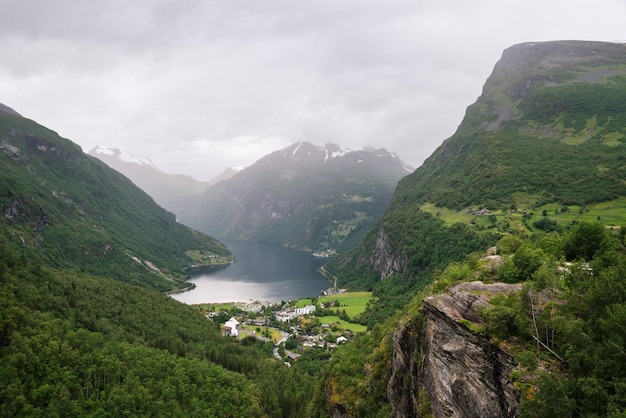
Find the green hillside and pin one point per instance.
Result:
(542, 148)
(554, 131)
(78, 345)
(70, 210)
(538, 166)
(85, 326)
(564, 328)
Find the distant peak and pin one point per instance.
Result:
(306, 148)
(334, 151)
(327, 152)
(122, 156)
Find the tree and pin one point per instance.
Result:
(508, 244)
(584, 240)
(527, 260)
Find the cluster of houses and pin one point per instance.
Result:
(231, 328)
(310, 341)
(292, 313)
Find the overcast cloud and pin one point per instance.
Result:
(201, 85)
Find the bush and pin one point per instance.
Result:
(584, 240)
(508, 244)
(504, 317)
(508, 272)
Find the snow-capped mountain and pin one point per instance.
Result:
(302, 151)
(306, 196)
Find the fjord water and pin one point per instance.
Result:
(263, 272)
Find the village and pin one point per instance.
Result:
(295, 327)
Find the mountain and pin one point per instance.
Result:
(7, 109)
(534, 173)
(70, 210)
(547, 136)
(172, 191)
(85, 326)
(317, 198)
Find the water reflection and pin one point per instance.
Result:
(263, 272)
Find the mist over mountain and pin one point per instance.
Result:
(317, 198)
(7, 109)
(497, 267)
(174, 192)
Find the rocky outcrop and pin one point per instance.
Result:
(403, 388)
(462, 373)
(385, 259)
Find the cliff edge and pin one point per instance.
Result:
(441, 362)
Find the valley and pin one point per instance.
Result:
(489, 281)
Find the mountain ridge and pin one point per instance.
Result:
(310, 197)
(71, 210)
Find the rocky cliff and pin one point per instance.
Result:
(439, 361)
(384, 258)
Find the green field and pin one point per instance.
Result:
(275, 334)
(353, 303)
(611, 214)
(335, 320)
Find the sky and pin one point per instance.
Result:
(201, 85)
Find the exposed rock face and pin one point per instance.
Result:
(403, 388)
(528, 65)
(462, 373)
(384, 259)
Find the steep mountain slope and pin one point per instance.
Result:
(174, 192)
(551, 123)
(72, 211)
(541, 150)
(548, 132)
(305, 196)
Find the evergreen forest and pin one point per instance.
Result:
(76, 345)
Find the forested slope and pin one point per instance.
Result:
(77, 345)
(70, 210)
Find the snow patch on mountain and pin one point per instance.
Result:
(122, 156)
(340, 152)
(295, 151)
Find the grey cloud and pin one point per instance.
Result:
(198, 85)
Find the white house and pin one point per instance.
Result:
(307, 310)
(231, 327)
